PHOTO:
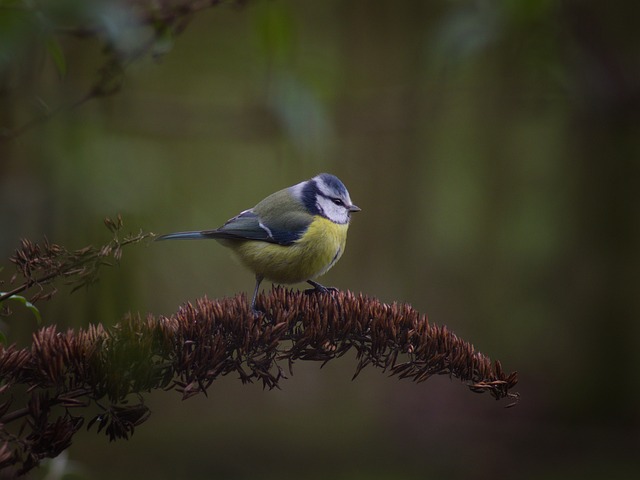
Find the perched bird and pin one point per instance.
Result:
(294, 235)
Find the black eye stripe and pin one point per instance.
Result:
(310, 194)
(336, 200)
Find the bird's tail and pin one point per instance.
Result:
(182, 236)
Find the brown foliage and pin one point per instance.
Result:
(62, 374)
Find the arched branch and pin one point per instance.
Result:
(64, 373)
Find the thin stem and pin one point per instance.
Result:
(27, 285)
(65, 269)
(22, 412)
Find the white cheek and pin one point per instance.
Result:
(335, 213)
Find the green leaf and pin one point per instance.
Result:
(3, 338)
(163, 43)
(28, 304)
(57, 55)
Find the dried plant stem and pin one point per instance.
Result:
(40, 264)
(161, 18)
(65, 372)
(28, 284)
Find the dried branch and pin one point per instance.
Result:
(148, 13)
(155, 23)
(40, 264)
(64, 373)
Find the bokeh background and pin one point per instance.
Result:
(494, 148)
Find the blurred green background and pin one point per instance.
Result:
(494, 149)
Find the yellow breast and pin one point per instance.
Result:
(309, 257)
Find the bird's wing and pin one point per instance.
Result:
(250, 226)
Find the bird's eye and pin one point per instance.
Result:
(337, 201)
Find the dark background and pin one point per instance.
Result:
(494, 150)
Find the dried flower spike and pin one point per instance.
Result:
(64, 372)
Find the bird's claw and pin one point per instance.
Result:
(317, 288)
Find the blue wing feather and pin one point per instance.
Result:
(249, 226)
(181, 236)
(279, 219)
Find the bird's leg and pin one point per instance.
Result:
(320, 288)
(255, 311)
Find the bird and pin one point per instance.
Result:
(294, 235)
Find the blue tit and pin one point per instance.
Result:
(294, 235)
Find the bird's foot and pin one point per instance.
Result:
(317, 288)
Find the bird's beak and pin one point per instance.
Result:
(354, 208)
